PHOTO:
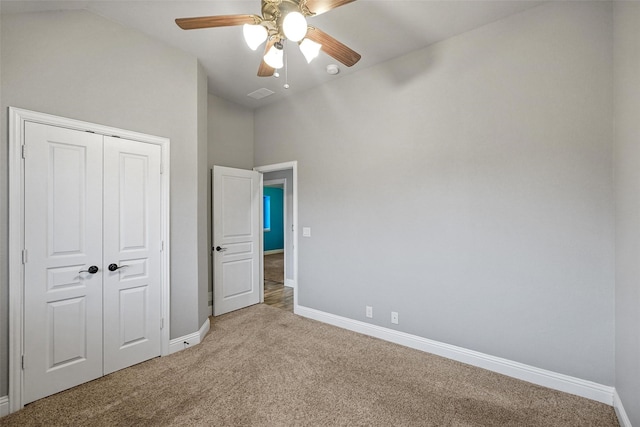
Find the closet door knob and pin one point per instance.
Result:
(114, 267)
(93, 270)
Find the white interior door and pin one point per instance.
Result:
(132, 249)
(236, 238)
(63, 238)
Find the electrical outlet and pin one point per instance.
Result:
(369, 312)
(394, 317)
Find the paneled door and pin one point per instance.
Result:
(132, 247)
(236, 238)
(63, 269)
(92, 292)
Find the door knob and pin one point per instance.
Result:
(220, 249)
(93, 270)
(114, 267)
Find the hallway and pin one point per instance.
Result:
(275, 293)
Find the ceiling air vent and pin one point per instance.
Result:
(261, 93)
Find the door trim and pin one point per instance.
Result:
(17, 119)
(293, 165)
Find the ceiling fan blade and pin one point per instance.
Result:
(316, 7)
(333, 47)
(216, 21)
(266, 70)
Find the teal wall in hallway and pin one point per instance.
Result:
(274, 239)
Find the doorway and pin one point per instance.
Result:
(274, 219)
(280, 266)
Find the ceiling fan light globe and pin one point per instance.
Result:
(310, 49)
(274, 58)
(294, 26)
(254, 35)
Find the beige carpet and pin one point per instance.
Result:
(264, 366)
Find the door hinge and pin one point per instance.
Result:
(22, 361)
(24, 151)
(162, 246)
(162, 323)
(24, 256)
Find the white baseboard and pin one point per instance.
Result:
(553, 380)
(623, 419)
(290, 283)
(4, 406)
(274, 251)
(190, 340)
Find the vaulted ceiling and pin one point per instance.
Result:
(377, 29)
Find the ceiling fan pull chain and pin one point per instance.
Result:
(286, 68)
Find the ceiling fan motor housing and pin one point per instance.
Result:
(274, 12)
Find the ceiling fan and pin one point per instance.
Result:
(282, 20)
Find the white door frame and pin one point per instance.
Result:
(293, 165)
(17, 119)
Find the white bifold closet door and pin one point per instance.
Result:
(92, 293)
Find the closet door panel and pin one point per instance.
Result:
(132, 247)
(63, 238)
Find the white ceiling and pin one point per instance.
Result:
(377, 29)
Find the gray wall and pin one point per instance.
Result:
(203, 196)
(467, 186)
(79, 65)
(288, 234)
(230, 136)
(627, 160)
